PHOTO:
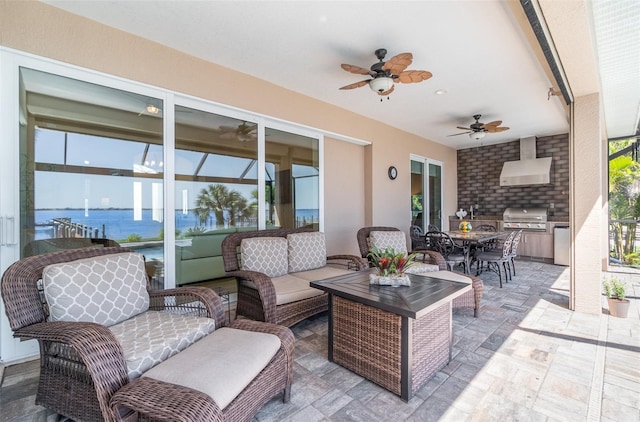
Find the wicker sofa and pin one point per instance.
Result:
(282, 295)
(467, 300)
(102, 335)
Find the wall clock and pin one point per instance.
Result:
(392, 172)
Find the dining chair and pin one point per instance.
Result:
(433, 228)
(490, 245)
(454, 253)
(418, 241)
(513, 253)
(495, 260)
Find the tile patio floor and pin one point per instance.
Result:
(526, 358)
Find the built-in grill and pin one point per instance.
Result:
(530, 219)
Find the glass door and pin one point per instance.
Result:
(292, 179)
(434, 194)
(426, 193)
(91, 168)
(216, 188)
(418, 197)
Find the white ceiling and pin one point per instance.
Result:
(474, 48)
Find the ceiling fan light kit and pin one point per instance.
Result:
(381, 84)
(476, 135)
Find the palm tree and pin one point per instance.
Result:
(236, 205)
(226, 205)
(212, 199)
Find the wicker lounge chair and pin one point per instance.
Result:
(257, 293)
(82, 365)
(467, 300)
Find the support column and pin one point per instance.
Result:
(588, 203)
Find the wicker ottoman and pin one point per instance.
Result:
(181, 388)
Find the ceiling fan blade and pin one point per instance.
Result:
(461, 133)
(356, 84)
(397, 64)
(356, 69)
(464, 128)
(494, 123)
(412, 76)
(493, 129)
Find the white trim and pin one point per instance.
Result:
(321, 183)
(168, 143)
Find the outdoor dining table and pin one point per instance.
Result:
(477, 238)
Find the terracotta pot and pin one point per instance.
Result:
(618, 308)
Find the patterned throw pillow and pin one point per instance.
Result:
(105, 289)
(266, 255)
(389, 239)
(307, 251)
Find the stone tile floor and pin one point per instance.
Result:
(526, 358)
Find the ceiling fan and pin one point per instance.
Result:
(244, 132)
(385, 74)
(478, 130)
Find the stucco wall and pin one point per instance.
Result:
(352, 172)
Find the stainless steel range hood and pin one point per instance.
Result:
(529, 170)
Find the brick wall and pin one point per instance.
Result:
(479, 178)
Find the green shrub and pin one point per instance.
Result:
(133, 237)
(194, 231)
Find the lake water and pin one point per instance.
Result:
(118, 224)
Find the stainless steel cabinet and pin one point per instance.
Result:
(537, 245)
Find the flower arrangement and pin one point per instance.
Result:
(389, 263)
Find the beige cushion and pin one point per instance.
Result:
(396, 240)
(307, 251)
(321, 273)
(267, 255)
(291, 289)
(451, 276)
(421, 267)
(152, 337)
(104, 289)
(220, 365)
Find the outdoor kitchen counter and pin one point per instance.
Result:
(495, 221)
(536, 245)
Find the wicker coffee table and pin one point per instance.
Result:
(397, 337)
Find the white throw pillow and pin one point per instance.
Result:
(266, 255)
(105, 289)
(307, 251)
(389, 239)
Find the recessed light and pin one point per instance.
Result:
(440, 92)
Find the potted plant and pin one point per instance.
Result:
(615, 290)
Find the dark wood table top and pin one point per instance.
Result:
(423, 295)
